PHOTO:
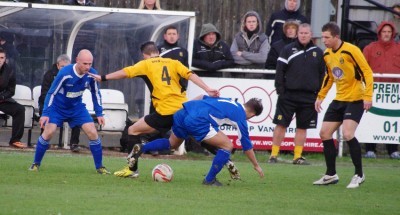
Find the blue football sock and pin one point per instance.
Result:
(41, 148)
(97, 152)
(218, 163)
(156, 145)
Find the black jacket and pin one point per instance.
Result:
(274, 29)
(48, 79)
(300, 68)
(212, 58)
(74, 2)
(174, 51)
(275, 50)
(7, 83)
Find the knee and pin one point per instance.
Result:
(325, 135)
(92, 134)
(347, 136)
(20, 110)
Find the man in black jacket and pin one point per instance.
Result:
(299, 75)
(8, 105)
(210, 52)
(48, 79)
(80, 2)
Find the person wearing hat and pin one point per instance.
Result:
(210, 53)
(274, 26)
(290, 34)
(250, 45)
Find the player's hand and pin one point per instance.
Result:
(259, 170)
(95, 77)
(367, 105)
(318, 106)
(213, 92)
(101, 120)
(43, 121)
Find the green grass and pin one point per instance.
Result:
(68, 184)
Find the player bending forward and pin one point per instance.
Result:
(201, 120)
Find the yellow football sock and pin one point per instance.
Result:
(298, 150)
(275, 151)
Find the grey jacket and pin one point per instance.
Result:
(254, 49)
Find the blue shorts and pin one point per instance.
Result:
(199, 128)
(76, 117)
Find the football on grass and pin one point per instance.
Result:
(162, 173)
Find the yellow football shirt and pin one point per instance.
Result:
(164, 75)
(348, 68)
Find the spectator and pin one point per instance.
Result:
(396, 21)
(150, 5)
(383, 56)
(8, 105)
(170, 49)
(291, 11)
(299, 75)
(210, 52)
(290, 33)
(250, 45)
(80, 2)
(48, 79)
(349, 70)
(6, 43)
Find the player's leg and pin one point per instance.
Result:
(306, 117)
(95, 147)
(230, 165)
(221, 141)
(299, 139)
(327, 130)
(353, 114)
(277, 138)
(42, 145)
(285, 109)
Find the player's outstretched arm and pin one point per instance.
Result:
(120, 74)
(197, 80)
(251, 156)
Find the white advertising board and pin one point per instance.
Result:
(261, 127)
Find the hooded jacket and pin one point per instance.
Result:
(274, 30)
(254, 49)
(384, 57)
(214, 57)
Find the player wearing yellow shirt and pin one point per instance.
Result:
(350, 71)
(163, 75)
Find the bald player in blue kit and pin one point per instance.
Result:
(63, 103)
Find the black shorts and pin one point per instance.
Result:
(162, 123)
(301, 105)
(339, 111)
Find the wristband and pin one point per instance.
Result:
(103, 78)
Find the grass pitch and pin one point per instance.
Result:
(68, 184)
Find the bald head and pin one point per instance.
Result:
(84, 61)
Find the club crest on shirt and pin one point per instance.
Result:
(180, 54)
(341, 60)
(337, 72)
(86, 84)
(314, 54)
